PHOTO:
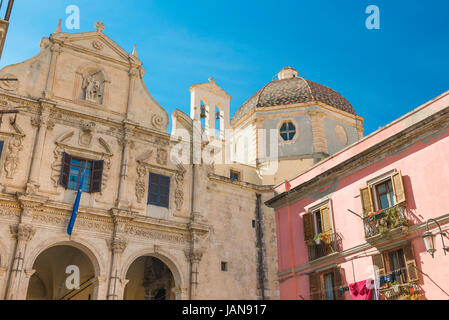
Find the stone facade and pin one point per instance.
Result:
(83, 97)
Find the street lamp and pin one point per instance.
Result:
(429, 239)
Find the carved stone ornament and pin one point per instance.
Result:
(99, 26)
(97, 45)
(194, 255)
(23, 232)
(10, 82)
(157, 121)
(162, 156)
(140, 184)
(179, 180)
(118, 245)
(12, 159)
(86, 133)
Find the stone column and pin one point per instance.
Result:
(23, 233)
(43, 123)
(99, 284)
(117, 247)
(319, 137)
(55, 52)
(127, 143)
(133, 75)
(3, 280)
(261, 137)
(194, 257)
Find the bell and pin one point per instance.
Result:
(203, 112)
(217, 116)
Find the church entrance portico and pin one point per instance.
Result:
(63, 272)
(150, 278)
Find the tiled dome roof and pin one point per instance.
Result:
(293, 90)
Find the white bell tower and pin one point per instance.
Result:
(212, 103)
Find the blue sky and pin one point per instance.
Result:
(384, 73)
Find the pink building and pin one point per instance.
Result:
(361, 214)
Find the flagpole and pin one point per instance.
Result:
(76, 204)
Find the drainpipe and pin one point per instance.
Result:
(196, 160)
(260, 248)
(292, 254)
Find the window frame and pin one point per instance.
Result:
(96, 174)
(376, 195)
(237, 173)
(89, 185)
(388, 263)
(159, 195)
(316, 209)
(295, 136)
(334, 285)
(369, 194)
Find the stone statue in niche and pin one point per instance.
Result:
(93, 85)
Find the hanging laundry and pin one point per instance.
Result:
(361, 290)
(386, 279)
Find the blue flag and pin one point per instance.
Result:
(75, 206)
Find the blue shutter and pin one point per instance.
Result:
(159, 190)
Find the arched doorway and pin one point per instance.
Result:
(149, 279)
(57, 270)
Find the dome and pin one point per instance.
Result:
(292, 89)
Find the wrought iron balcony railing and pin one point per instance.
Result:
(324, 247)
(407, 291)
(384, 221)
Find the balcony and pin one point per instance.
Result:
(407, 291)
(386, 221)
(330, 243)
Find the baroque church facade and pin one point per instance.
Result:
(157, 219)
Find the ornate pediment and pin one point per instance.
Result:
(96, 43)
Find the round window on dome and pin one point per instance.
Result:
(288, 131)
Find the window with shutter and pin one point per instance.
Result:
(325, 220)
(338, 283)
(378, 262)
(159, 190)
(410, 263)
(314, 286)
(74, 168)
(97, 176)
(367, 200)
(65, 170)
(1, 147)
(307, 220)
(398, 186)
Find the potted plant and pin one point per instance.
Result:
(317, 239)
(411, 290)
(395, 287)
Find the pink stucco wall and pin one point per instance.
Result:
(425, 169)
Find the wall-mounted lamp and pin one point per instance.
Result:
(429, 239)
